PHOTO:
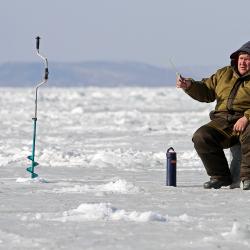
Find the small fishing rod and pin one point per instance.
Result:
(178, 74)
(45, 79)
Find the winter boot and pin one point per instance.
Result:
(217, 183)
(245, 185)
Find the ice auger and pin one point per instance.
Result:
(45, 79)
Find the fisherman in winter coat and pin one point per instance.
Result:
(229, 125)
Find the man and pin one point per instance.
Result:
(229, 125)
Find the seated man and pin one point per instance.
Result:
(229, 125)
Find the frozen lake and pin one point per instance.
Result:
(101, 185)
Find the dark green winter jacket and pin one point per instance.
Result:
(219, 86)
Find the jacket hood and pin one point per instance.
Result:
(244, 48)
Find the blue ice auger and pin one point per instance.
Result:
(45, 79)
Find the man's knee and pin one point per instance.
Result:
(245, 136)
(207, 139)
(201, 136)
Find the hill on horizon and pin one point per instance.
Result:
(95, 73)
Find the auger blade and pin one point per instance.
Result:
(34, 163)
(34, 175)
(30, 157)
(31, 170)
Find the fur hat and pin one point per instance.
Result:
(244, 48)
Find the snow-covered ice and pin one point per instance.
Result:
(101, 185)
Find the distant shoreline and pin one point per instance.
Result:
(99, 73)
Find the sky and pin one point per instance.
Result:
(188, 32)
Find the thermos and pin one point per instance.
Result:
(171, 167)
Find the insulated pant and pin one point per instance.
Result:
(209, 142)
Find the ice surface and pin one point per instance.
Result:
(240, 232)
(101, 185)
(118, 186)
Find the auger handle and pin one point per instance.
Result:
(46, 72)
(37, 42)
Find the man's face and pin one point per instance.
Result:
(244, 63)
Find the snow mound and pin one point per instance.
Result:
(183, 218)
(126, 159)
(239, 231)
(105, 211)
(29, 180)
(77, 110)
(118, 186)
(104, 159)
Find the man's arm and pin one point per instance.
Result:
(202, 91)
